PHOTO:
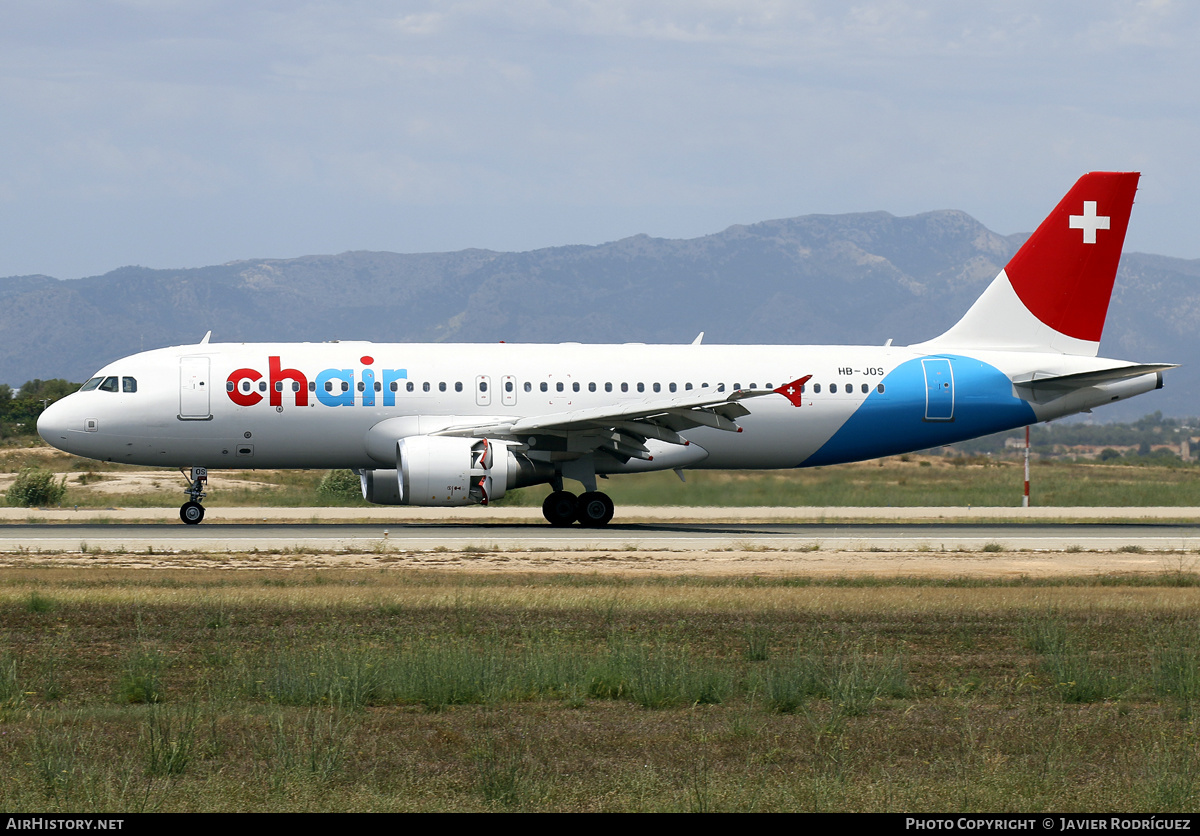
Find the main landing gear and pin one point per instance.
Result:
(192, 512)
(591, 510)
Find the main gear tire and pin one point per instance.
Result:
(594, 509)
(560, 508)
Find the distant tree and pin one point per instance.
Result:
(50, 390)
(18, 415)
(1152, 422)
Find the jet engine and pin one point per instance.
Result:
(443, 470)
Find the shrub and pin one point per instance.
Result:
(339, 485)
(140, 682)
(36, 487)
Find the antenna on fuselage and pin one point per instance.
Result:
(205, 340)
(699, 338)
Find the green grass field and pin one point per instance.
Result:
(124, 690)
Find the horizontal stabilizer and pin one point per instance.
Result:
(1079, 380)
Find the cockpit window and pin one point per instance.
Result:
(91, 384)
(129, 384)
(109, 385)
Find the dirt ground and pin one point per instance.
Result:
(999, 565)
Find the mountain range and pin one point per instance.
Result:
(857, 279)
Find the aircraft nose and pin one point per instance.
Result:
(53, 423)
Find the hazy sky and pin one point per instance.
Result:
(178, 134)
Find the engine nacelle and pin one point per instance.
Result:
(381, 487)
(442, 470)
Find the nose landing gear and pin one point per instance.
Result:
(192, 512)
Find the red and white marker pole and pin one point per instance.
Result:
(1025, 500)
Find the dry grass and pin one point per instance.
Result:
(911, 480)
(400, 690)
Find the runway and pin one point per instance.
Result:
(648, 536)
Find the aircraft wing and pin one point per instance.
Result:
(623, 428)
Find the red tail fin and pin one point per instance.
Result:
(1053, 295)
(1064, 274)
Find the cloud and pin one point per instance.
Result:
(673, 118)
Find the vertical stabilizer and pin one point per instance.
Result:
(1053, 294)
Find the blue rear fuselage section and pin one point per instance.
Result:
(926, 402)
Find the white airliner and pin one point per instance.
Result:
(460, 424)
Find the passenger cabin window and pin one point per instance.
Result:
(657, 387)
(865, 388)
(482, 386)
(528, 386)
(545, 388)
(558, 386)
(129, 384)
(425, 386)
(574, 387)
(591, 387)
(442, 387)
(641, 387)
(624, 387)
(607, 387)
(833, 388)
(816, 388)
(879, 388)
(458, 386)
(671, 387)
(109, 385)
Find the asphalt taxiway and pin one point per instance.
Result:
(427, 536)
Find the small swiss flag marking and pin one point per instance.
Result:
(794, 391)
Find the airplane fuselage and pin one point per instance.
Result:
(323, 405)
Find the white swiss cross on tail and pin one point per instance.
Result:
(1089, 222)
